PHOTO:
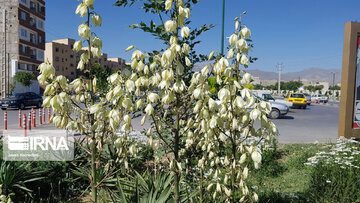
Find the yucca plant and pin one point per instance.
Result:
(149, 188)
(14, 177)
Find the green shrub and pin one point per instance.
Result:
(332, 183)
(335, 173)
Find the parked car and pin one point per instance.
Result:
(320, 97)
(277, 109)
(298, 100)
(21, 100)
(268, 97)
(308, 98)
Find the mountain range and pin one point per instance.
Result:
(311, 74)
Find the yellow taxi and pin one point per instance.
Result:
(298, 100)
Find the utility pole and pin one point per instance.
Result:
(333, 82)
(3, 69)
(222, 28)
(279, 69)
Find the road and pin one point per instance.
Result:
(318, 122)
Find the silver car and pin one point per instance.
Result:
(277, 109)
(308, 98)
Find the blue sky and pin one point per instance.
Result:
(300, 34)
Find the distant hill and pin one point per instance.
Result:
(312, 74)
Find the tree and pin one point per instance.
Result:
(335, 87)
(98, 121)
(168, 73)
(24, 78)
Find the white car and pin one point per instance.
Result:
(320, 97)
(268, 97)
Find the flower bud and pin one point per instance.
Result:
(256, 157)
(89, 2)
(170, 26)
(61, 80)
(224, 94)
(96, 52)
(245, 32)
(81, 10)
(185, 49)
(168, 4)
(84, 31)
(153, 97)
(42, 79)
(127, 119)
(96, 20)
(245, 172)
(247, 78)
(185, 32)
(129, 48)
(96, 42)
(149, 110)
(244, 60)
(255, 114)
(77, 45)
(46, 102)
(187, 61)
(213, 122)
(243, 158)
(211, 55)
(230, 54)
(233, 39)
(241, 44)
(130, 85)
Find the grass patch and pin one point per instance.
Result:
(283, 176)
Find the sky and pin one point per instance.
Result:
(299, 34)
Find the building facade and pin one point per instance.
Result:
(61, 55)
(22, 39)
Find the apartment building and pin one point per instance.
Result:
(61, 55)
(22, 39)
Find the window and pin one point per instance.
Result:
(40, 24)
(23, 33)
(57, 49)
(33, 38)
(23, 15)
(40, 55)
(72, 65)
(32, 6)
(57, 68)
(33, 22)
(57, 58)
(72, 73)
(24, 49)
(71, 56)
(62, 60)
(40, 40)
(24, 1)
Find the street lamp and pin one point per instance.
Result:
(222, 28)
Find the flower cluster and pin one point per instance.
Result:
(346, 153)
(229, 121)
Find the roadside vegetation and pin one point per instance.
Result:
(202, 144)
